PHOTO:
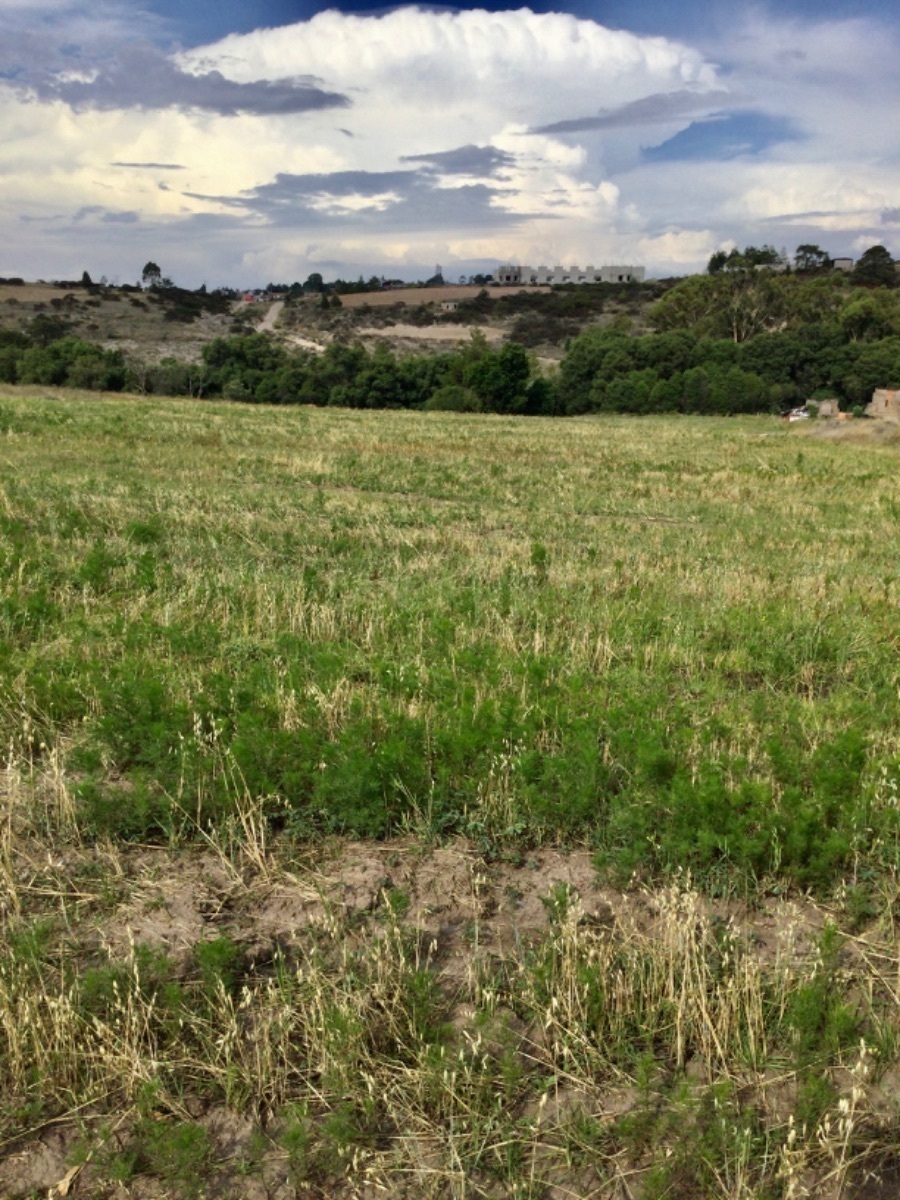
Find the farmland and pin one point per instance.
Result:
(452, 805)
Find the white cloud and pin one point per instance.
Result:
(468, 137)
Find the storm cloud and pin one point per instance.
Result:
(465, 160)
(142, 77)
(408, 200)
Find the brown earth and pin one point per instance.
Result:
(465, 909)
(426, 295)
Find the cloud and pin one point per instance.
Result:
(724, 136)
(465, 160)
(140, 76)
(660, 108)
(381, 201)
(418, 136)
(150, 166)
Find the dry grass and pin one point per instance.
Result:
(233, 999)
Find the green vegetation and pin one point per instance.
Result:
(232, 637)
(742, 339)
(549, 632)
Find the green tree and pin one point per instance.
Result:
(151, 275)
(875, 268)
(810, 257)
(869, 317)
(499, 378)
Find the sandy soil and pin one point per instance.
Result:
(467, 909)
(31, 293)
(432, 295)
(433, 333)
(267, 324)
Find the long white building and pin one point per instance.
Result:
(511, 274)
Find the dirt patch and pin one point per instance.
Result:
(426, 295)
(476, 926)
(31, 293)
(432, 333)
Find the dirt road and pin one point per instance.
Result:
(267, 324)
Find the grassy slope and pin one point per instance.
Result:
(670, 641)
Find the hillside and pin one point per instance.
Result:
(152, 325)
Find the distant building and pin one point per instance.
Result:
(885, 403)
(842, 264)
(515, 275)
(825, 408)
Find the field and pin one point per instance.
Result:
(421, 805)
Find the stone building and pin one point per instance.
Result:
(885, 403)
(514, 275)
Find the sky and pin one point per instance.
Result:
(239, 143)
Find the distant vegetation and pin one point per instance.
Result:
(744, 338)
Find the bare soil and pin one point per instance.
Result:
(425, 295)
(465, 908)
(432, 333)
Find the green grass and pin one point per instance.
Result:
(243, 630)
(671, 639)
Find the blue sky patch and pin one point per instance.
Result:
(735, 135)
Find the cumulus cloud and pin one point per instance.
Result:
(418, 136)
(140, 76)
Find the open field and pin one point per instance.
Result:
(426, 295)
(423, 805)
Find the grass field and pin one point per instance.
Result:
(629, 688)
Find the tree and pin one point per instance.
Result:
(151, 275)
(315, 283)
(809, 257)
(499, 378)
(743, 260)
(86, 280)
(875, 268)
(868, 318)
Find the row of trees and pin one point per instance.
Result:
(256, 369)
(875, 268)
(603, 370)
(741, 341)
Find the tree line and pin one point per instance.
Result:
(734, 341)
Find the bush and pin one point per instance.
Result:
(453, 397)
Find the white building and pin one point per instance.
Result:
(515, 275)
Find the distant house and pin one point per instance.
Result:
(826, 408)
(449, 305)
(514, 274)
(843, 264)
(885, 403)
